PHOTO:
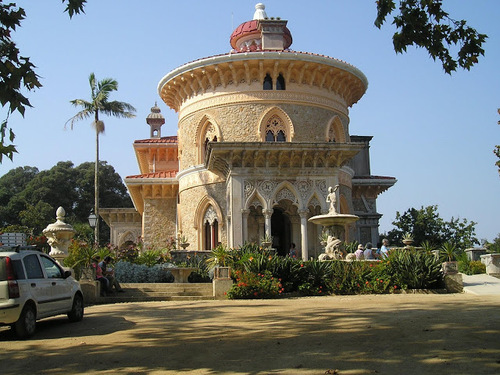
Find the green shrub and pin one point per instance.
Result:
(473, 267)
(350, 277)
(411, 269)
(318, 276)
(151, 257)
(126, 272)
(251, 285)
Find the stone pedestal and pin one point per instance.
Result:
(221, 287)
(181, 274)
(474, 253)
(492, 263)
(59, 235)
(454, 283)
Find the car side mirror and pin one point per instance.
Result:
(67, 274)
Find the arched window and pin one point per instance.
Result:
(280, 83)
(210, 229)
(281, 136)
(208, 136)
(268, 82)
(275, 129)
(331, 134)
(334, 131)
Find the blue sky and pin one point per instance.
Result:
(435, 133)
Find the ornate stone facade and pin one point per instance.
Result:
(262, 133)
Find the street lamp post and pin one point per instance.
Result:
(93, 224)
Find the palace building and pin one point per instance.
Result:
(263, 131)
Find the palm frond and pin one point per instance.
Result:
(100, 91)
(82, 115)
(118, 109)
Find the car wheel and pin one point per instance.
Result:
(76, 313)
(26, 324)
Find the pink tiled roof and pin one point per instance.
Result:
(162, 174)
(251, 28)
(170, 139)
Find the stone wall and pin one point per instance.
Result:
(191, 213)
(158, 222)
(241, 123)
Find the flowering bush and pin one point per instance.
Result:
(251, 285)
(403, 269)
(40, 242)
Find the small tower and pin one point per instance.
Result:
(155, 120)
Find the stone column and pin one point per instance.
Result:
(303, 233)
(244, 218)
(235, 212)
(261, 227)
(212, 236)
(267, 220)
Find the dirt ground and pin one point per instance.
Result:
(374, 334)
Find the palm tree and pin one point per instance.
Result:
(100, 91)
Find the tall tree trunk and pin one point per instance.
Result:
(96, 186)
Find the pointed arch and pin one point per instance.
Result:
(127, 236)
(335, 131)
(208, 212)
(207, 131)
(315, 201)
(276, 123)
(286, 190)
(255, 196)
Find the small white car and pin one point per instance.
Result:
(33, 286)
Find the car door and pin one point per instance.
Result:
(39, 286)
(60, 287)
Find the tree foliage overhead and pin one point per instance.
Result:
(424, 23)
(425, 224)
(17, 72)
(30, 198)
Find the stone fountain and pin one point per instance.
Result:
(333, 225)
(59, 235)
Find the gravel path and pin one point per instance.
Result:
(374, 334)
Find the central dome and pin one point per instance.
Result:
(248, 36)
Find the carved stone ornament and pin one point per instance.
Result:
(248, 188)
(304, 187)
(59, 235)
(210, 215)
(314, 202)
(285, 193)
(266, 187)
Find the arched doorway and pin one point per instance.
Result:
(281, 230)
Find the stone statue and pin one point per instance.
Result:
(332, 198)
(332, 249)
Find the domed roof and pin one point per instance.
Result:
(155, 113)
(249, 33)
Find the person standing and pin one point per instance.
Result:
(384, 249)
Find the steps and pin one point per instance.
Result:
(160, 292)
